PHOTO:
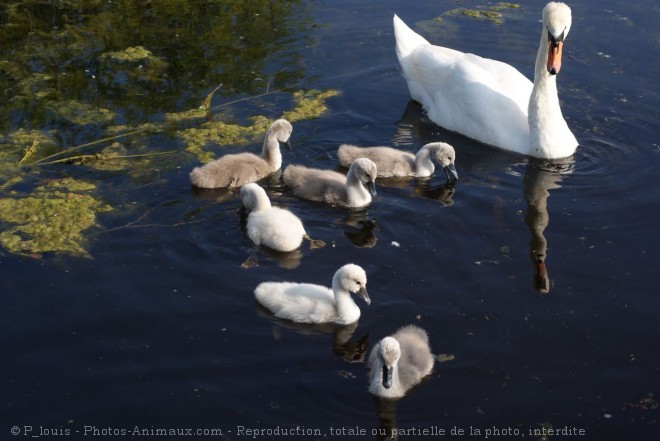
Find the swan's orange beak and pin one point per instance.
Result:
(554, 57)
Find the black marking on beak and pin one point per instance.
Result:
(450, 171)
(387, 376)
(364, 294)
(555, 41)
(371, 186)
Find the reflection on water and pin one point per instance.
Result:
(67, 50)
(344, 346)
(153, 299)
(360, 230)
(541, 177)
(386, 411)
(443, 193)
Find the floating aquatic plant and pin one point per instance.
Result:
(75, 112)
(308, 105)
(55, 216)
(52, 218)
(491, 13)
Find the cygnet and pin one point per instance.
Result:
(274, 227)
(236, 170)
(392, 162)
(311, 303)
(399, 362)
(353, 190)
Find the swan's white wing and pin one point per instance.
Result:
(465, 93)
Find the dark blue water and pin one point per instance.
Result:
(160, 329)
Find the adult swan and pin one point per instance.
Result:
(488, 100)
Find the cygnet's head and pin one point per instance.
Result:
(352, 278)
(389, 352)
(281, 130)
(254, 197)
(557, 20)
(365, 171)
(446, 157)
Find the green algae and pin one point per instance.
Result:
(21, 147)
(491, 13)
(73, 71)
(132, 71)
(52, 218)
(77, 113)
(218, 133)
(307, 105)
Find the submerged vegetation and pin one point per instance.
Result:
(491, 13)
(105, 89)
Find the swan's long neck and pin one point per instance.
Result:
(347, 310)
(271, 152)
(261, 202)
(549, 136)
(356, 191)
(423, 164)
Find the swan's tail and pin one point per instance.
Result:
(407, 40)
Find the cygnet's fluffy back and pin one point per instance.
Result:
(390, 162)
(273, 227)
(236, 170)
(353, 190)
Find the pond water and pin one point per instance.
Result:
(150, 322)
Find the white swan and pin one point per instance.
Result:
(353, 190)
(236, 170)
(397, 163)
(310, 303)
(399, 362)
(273, 227)
(488, 100)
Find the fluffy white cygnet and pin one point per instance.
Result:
(399, 362)
(273, 227)
(392, 162)
(353, 190)
(236, 170)
(311, 303)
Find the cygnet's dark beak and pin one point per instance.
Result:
(450, 171)
(364, 294)
(387, 376)
(287, 143)
(371, 186)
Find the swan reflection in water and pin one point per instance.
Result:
(541, 177)
(351, 350)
